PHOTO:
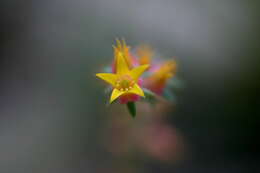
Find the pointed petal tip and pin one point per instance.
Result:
(115, 94)
(97, 74)
(138, 71)
(108, 77)
(137, 90)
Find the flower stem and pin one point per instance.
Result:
(131, 108)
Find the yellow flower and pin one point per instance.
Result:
(122, 50)
(124, 81)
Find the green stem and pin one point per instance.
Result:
(131, 108)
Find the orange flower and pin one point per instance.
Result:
(145, 54)
(158, 79)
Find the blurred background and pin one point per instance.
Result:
(53, 113)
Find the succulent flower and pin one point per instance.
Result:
(157, 81)
(124, 81)
(126, 75)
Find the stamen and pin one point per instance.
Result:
(124, 83)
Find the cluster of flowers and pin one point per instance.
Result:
(138, 74)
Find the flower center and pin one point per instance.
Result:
(125, 83)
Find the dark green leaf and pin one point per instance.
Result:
(131, 108)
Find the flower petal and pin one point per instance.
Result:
(108, 77)
(115, 94)
(138, 71)
(121, 66)
(137, 90)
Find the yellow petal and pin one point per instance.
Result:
(121, 66)
(138, 71)
(137, 90)
(108, 77)
(115, 94)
